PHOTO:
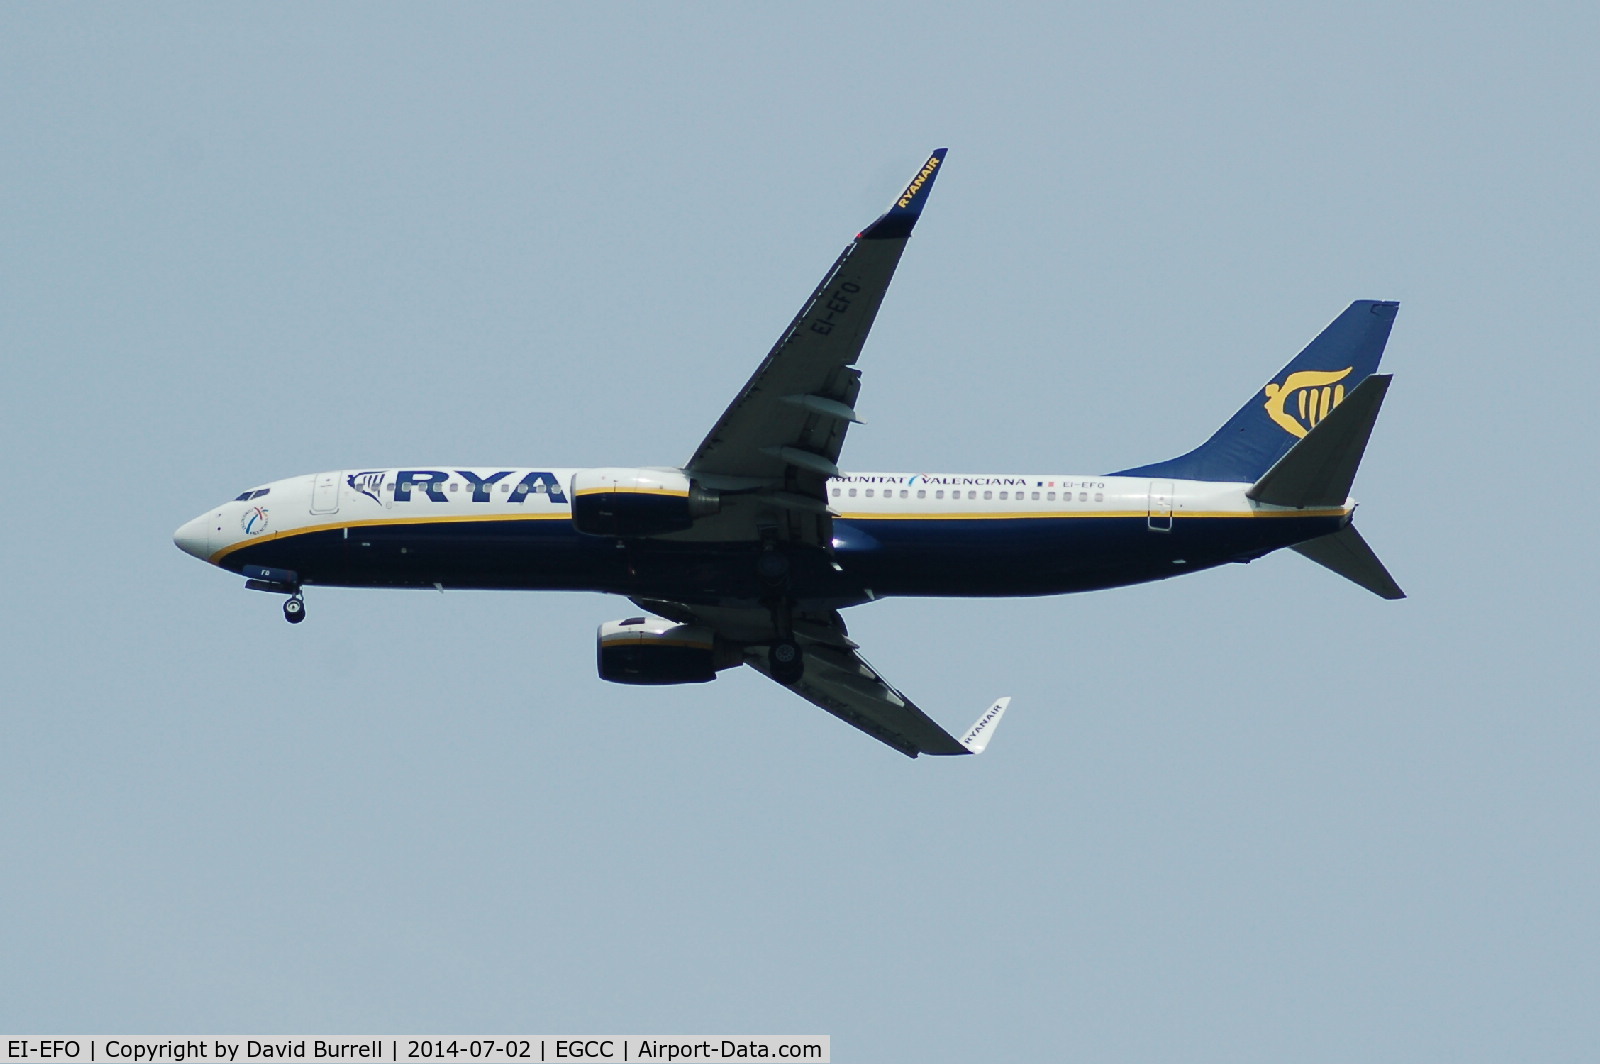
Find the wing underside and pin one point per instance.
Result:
(840, 681)
(779, 441)
(837, 678)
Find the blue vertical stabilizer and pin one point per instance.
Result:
(1291, 404)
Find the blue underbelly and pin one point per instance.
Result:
(1048, 556)
(875, 558)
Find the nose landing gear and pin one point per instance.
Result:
(282, 581)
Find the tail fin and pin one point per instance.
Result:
(1301, 395)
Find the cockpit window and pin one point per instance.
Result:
(255, 493)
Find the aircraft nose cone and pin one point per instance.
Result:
(194, 538)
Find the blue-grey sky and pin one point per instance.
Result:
(1252, 815)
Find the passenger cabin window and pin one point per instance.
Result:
(988, 495)
(1050, 496)
(852, 493)
(922, 493)
(837, 492)
(869, 493)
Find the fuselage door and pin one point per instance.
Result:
(325, 493)
(1161, 505)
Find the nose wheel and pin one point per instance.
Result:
(279, 582)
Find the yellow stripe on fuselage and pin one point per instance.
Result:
(437, 519)
(1014, 515)
(634, 491)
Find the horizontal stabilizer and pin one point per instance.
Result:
(1319, 469)
(1347, 554)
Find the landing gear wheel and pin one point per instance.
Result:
(294, 610)
(786, 661)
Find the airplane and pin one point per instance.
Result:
(747, 553)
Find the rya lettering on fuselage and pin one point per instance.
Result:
(438, 485)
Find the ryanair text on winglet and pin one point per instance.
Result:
(917, 182)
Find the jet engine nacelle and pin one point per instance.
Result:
(649, 650)
(638, 502)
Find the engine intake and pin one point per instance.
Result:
(649, 650)
(638, 502)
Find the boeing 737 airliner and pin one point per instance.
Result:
(746, 553)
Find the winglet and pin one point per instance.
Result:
(977, 736)
(898, 221)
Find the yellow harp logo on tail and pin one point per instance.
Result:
(1314, 392)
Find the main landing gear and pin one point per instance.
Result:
(294, 610)
(787, 662)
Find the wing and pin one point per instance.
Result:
(838, 679)
(782, 433)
